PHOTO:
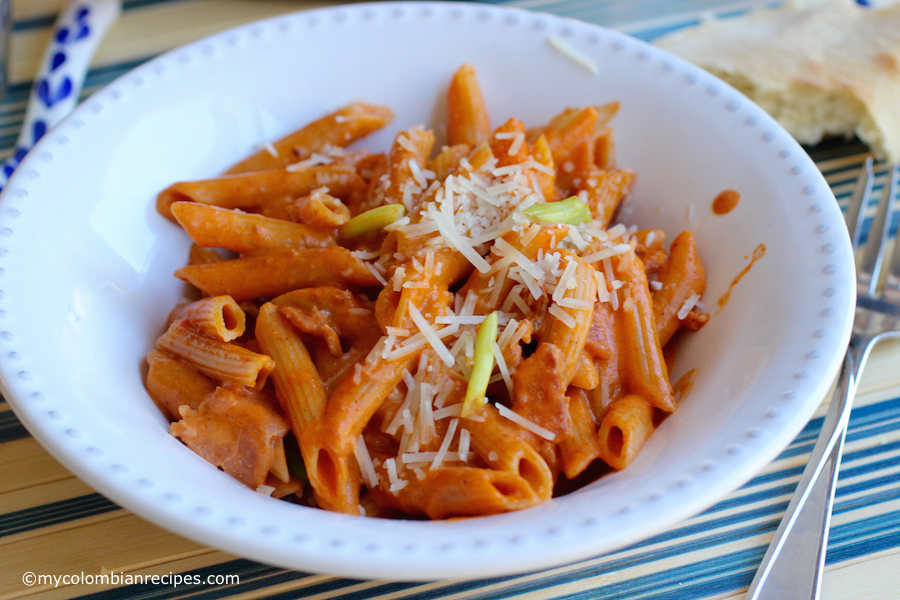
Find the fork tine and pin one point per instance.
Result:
(856, 210)
(878, 235)
(892, 282)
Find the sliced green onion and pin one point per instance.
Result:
(483, 367)
(371, 220)
(572, 211)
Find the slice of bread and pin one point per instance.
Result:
(819, 67)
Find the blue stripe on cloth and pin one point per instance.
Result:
(726, 573)
(10, 427)
(56, 512)
(251, 575)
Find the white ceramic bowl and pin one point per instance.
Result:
(86, 265)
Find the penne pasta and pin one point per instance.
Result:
(261, 189)
(224, 361)
(215, 227)
(460, 491)
(174, 383)
(682, 279)
(580, 450)
(467, 116)
(296, 380)
(643, 367)
(568, 130)
(219, 317)
(276, 273)
(603, 191)
(319, 210)
(624, 430)
(340, 128)
(504, 447)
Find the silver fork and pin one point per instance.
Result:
(795, 560)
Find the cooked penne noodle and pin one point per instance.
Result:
(683, 278)
(502, 446)
(624, 430)
(602, 347)
(296, 380)
(508, 143)
(605, 149)
(467, 116)
(260, 189)
(340, 128)
(604, 191)
(568, 130)
(174, 383)
(406, 163)
(219, 317)
(545, 173)
(460, 491)
(224, 361)
(332, 471)
(643, 366)
(279, 466)
(277, 273)
(320, 209)
(587, 376)
(580, 450)
(215, 227)
(447, 160)
(200, 256)
(578, 286)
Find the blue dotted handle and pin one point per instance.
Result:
(77, 33)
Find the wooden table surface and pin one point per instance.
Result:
(53, 524)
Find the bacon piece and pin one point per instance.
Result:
(236, 430)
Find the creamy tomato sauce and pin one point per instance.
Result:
(726, 202)
(758, 253)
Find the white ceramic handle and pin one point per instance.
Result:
(78, 31)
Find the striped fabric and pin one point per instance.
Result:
(51, 521)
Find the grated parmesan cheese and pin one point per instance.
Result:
(366, 467)
(465, 441)
(525, 423)
(265, 490)
(459, 320)
(609, 252)
(502, 367)
(375, 272)
(564, 317)
(445, 444)
(454, 410)
(573, 54)
(270, 149)
(602, 290)
(431, 336)
(688, 306)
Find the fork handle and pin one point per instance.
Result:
(795, 560)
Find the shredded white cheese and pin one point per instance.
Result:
(527, 424)
(688, 306)
(573, 54)
(367, 469)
